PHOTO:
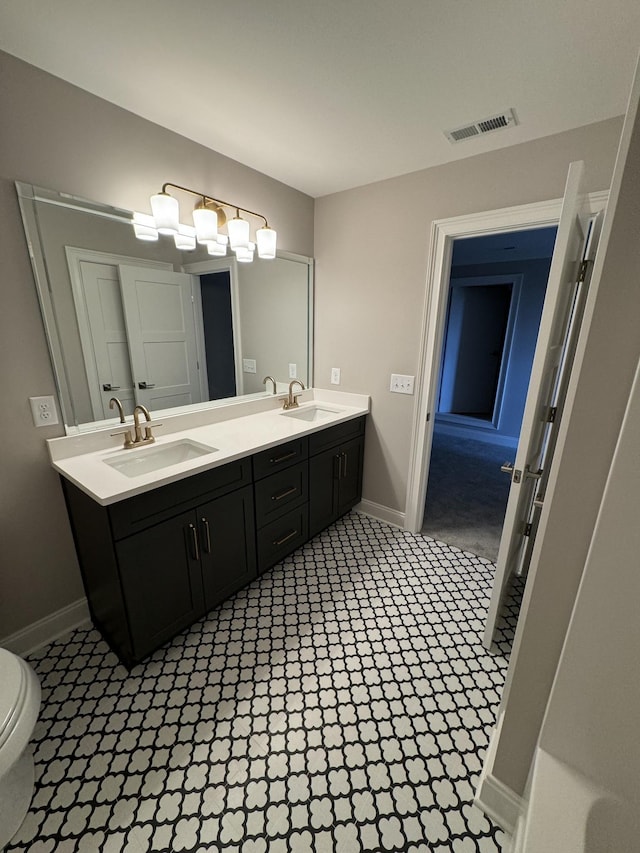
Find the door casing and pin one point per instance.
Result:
(443, 233)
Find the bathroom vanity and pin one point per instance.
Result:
(176, 542)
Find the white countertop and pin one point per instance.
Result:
(235, 431)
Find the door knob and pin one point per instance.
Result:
(109, 387)
(507, 467)
(144, 386)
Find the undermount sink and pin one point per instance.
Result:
(311, 413)
(134, 463)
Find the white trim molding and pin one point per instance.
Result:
(48, 629)
(382, 513)
(443, 233)
(493, 797)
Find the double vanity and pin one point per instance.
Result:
(166, 532)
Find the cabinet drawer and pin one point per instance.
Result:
(281, 492)
(282, 536)
(326, 438)
(137, 513)
(279, 457)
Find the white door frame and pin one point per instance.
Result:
(443, 233)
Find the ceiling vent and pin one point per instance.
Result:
(485, 125)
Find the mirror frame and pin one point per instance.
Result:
(28, 194)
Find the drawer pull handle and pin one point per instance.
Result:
(275, 459)
(344, 456)
(285, 538)
(194, 541)
(207, 534)
(290, 491)
(337, 458)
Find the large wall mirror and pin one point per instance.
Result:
(154, 325)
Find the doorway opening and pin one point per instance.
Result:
(496, 292)
(478, 333)
(217, 322)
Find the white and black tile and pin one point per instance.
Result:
(341, 703)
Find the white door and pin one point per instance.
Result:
(158, 311)
(108, 339)
(535, 446)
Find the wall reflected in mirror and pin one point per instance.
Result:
(150, 324)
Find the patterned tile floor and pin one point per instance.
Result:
(342, 703)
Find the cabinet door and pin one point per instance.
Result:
(227, 546)
(323, 489)
(350, 475)
(161, 581)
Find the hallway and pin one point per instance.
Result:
(467, 494)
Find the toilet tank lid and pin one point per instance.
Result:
(13, 684)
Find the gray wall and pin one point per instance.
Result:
(63, 138)
(371, 250)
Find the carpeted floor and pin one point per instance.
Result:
(467, 494)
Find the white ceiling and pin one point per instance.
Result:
(325, 95)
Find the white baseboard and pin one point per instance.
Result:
(493, 797)
(382, 513)
(46, 630)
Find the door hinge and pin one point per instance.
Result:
(428, 416)
(527, 530)
(582, 273)
(551, 414)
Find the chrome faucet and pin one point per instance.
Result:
(291, 402)
(264, 382)
(115, 402)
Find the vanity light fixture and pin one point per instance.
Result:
(144, 226)
(208, 217)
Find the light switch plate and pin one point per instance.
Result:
(43, 411)
(248, 365)
(401, 384)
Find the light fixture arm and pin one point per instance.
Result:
(218, 201)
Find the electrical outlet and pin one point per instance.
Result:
(401, 384)
(248, 365)
(335, 375)
(293, 371)
(43, 410)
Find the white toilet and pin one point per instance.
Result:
(19, 705)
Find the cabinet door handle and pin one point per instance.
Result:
(285, 538)
(194, 542)
(344, 456)
(207, 536)
(275, 459)
(338, 458)
(284, 494)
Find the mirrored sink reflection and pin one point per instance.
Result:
(311, 413)
(134, 463)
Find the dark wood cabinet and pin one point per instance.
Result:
(161, 583)
(225, 533)
(145, 587)
(155, 563)
(335, 475)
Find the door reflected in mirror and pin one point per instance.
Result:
(157, 326)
